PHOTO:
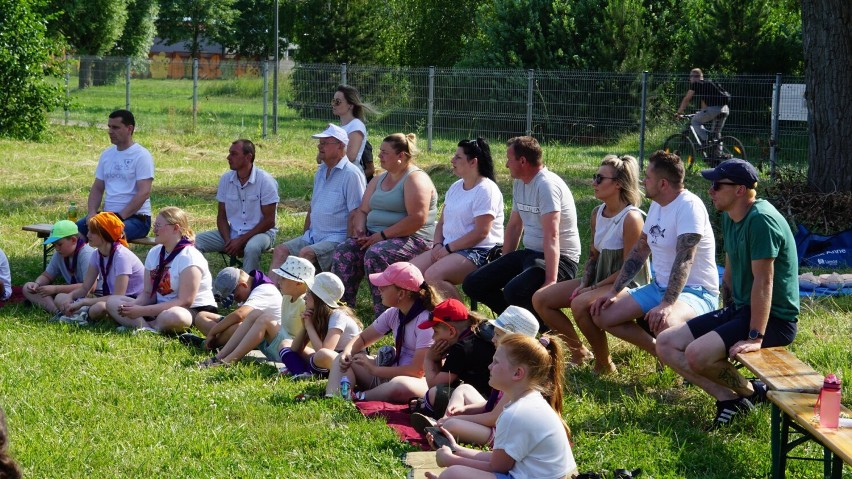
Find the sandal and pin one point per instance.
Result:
(211, 363)
(626, 474)
(438, 437)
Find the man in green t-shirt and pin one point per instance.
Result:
(760, 290)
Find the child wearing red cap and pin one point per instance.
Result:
(460, 353)
(409, 300)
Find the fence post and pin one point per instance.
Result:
(530, 78)
(265, 93)
(343, 74)
(67, 86)
(430, 108)
(642, 120)
(194, 92)
(127, 84)
(773, 137)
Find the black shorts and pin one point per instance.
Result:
(733, 325)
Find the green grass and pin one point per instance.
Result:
(94, 403)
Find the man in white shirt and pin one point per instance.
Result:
(123, 179)
(248, 199)
(338, 188)
(678, 235)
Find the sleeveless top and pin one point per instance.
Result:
(388, 207)
(610, 245)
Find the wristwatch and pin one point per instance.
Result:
(754, 334)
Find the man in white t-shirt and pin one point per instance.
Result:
(338, 188)
(248, 202)
(253, 291)
(543, 212)
(678, 236)
(123, 179)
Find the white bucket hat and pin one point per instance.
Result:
(516, 319)
(297, 269)
(328, 287)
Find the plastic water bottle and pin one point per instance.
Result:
(72, 212)
(828, 402)
(344, 388)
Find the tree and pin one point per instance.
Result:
(339, 31)
(25, 70)
(827, 29)
(252, 30)
(194, 20)
(135, 41)
(91, 27)
(433, 32)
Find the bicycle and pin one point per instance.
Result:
(688, 145)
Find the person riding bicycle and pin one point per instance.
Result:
(713, 100)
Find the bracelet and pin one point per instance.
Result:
(384, 237)
(447, 247)
(436, 245)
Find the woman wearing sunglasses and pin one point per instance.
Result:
(616, 226)
(352, 112)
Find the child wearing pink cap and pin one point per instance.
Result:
(409, 300)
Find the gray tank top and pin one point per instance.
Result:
(388, 207)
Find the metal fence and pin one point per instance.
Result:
(632, 112)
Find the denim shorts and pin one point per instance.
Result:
(477, 256)
(270, 348)
(699, 299)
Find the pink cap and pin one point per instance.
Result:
(402, 275)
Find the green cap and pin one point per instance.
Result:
(61, 229)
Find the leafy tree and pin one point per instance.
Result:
(827, 28)
(433, 32)
(338, 31)
(194, 20)
(25, 70)
(91, 27)
(135, 40)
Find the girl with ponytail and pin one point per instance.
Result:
(532, 439)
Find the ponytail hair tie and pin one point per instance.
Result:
(545, 341)
(423, 285)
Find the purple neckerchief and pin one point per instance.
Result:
(416, 308)
(259, 279)
(71, 265)
(105, 270)
(157, 275)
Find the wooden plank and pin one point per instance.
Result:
(421, 462)
(781, 370)
(800, 407)
(41, 229)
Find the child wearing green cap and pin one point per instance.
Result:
(71, 260)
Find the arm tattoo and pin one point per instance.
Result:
(687, 244)
(590, 271)
(635, 261)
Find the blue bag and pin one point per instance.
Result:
(818, 251)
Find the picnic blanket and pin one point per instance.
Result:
(397, 417)
(17, 296)
(821, 291)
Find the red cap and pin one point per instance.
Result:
(446, 312)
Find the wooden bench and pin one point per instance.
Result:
(798, 415)
(783, 373)
(42, 231)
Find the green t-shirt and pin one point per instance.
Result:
(762, 234)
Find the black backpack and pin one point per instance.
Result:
(367, 157)
(722, 96)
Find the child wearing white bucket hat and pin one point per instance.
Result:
(328, 326)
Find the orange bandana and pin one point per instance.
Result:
(112, 225)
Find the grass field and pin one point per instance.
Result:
(95, 403)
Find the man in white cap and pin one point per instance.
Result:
(248, 198)
(253, 291)
(338, 188)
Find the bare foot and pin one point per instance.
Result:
(579, 358)
(603, 369)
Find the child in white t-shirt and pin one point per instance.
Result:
(532, 439)
(328, 324)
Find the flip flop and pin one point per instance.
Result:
(421, 421)
(438, 437)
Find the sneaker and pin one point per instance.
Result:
(124, 329)
(306, 376)
(212, 362)
(726, 410)
(386, 356)
(760, 390)
(80, 318)
(421, 421)
(191, 340)
(145, 329)
(55, 318)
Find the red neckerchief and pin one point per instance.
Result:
(157, 274)
(105, 270)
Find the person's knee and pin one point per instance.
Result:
(280, 253)
(667, 343)
(697, 357)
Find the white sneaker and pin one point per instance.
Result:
(80, 318)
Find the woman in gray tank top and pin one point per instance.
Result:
(395, 222)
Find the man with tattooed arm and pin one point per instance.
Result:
(678, 237)
(761, 295)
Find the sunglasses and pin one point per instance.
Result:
(717, 185)
(336, 102)
(598, 179)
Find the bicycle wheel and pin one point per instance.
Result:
(682, 146)
(734, 147)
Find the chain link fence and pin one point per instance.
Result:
(631, 112)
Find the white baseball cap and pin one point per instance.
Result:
(334, 131)
(516, 319)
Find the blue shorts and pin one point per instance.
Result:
(733, 325)
(699, 299)
(477, 256)
(270, 348)
(500, 475)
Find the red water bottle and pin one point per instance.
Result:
(828, 402)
